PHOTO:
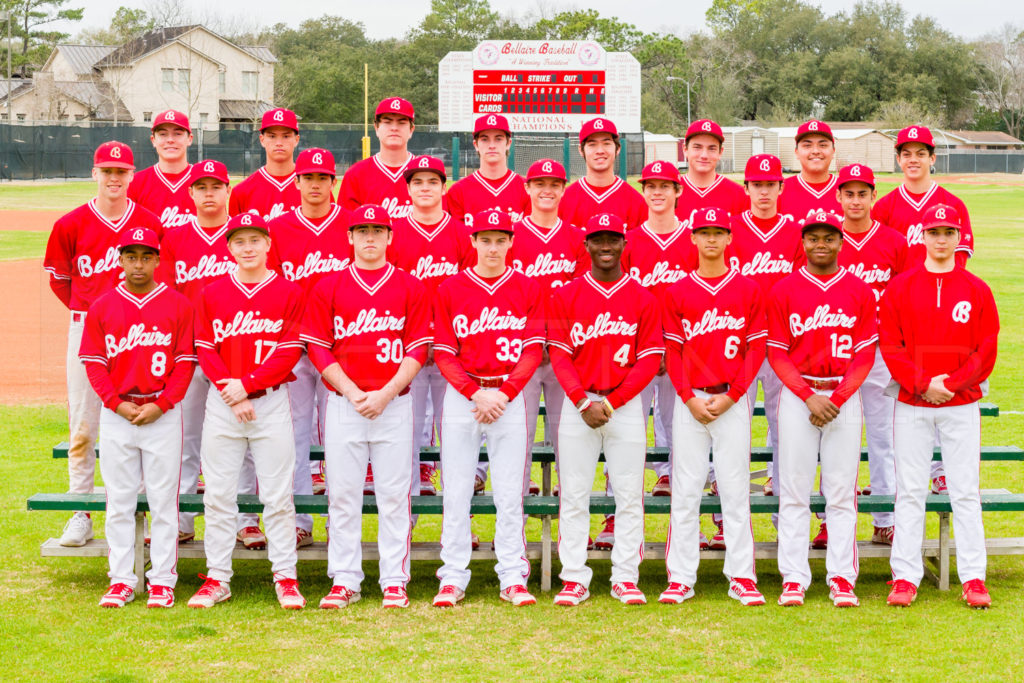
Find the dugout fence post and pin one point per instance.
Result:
(140, 547)
(456, 158)
(623, 165)
(512, 154)
(565, 156)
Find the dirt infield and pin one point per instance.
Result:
(34, 336)
(30, 221)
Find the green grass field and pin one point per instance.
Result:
(52, 628)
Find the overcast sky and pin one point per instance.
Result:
(395, 17)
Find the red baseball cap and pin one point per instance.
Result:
(315, 160)
(598, 125)
(246, 221)
(856, 172)
(546, 168)
(660, 170)
(369, 214)
(492, 122)
(941, 216)
(175, 118)
(491, 219)
(114, 154)
(915, 134)
(763, 168)
(826, 219)
(208, 169)
(279, 117)
(425, 163)
(395, 105)
(710, 217)
(142, 237)
(605, 222)
(814, 127)
(704, 127)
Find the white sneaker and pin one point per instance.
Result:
(627, 593)
(288, 594)
(339, 597)
(77, 531)
(210, 593)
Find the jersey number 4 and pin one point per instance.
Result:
(622, 355)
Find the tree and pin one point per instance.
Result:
(1001, 76)
(127, 23)
(27, 22)
(611, 33)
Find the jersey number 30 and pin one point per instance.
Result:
(390, 351)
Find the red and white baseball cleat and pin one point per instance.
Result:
(976, 595)
(478, 485)
(883, 535)
(210, 593)
(820, 541)
(703, 541)
(395, 596)
(252, 538)
(718, 540)
(627, 593)
(841, 592)
(319, 484)
(572, 594)
(939, 485)
(606, 537)
(339, 597)
(768, 487)
(288, 594)
(902, 594)
(118, 595)
(368, 489)
(662, 487)
(792, 594)
(160, 596)
(303, 538)
(518, 595)
(675, 594)
(200, 485)
(534, 488)
(745, 590)
(449, 596)
(476, 541)
(427, 487)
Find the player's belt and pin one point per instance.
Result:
(403, 392)
(263, 392)
(139, 399)
(489, 382)
(722, 388)
(822, 383)
(78, 316)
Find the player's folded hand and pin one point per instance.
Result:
(489, 404)
(372, 404)
(595, 415)
(148, 413)
(937, 393)
(232, 392)
(127, 410)
(700, 409)
(719, 404)
(822, 408)
(244, 411)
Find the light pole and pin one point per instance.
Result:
(688, 86)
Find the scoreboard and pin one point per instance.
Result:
(541, 86)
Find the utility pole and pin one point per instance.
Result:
(688, 86)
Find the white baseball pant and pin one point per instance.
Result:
(729, 436)
(272, 442)
(83, 414)
(461, 436)
(132, 454)
(624, 440)
(878, 410)
(351, 442)
(542, 381)
(428, 390)
(959, 428)
(308, 398)
(650, 397)
(799, 444)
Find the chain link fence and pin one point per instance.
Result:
(979, 161)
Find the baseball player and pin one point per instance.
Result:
(163, 188)
(139, 355)
(308, 243)
(247, 337)
(367, 330)
(702, 185)
(379, 179)
(814, 188)
(605, 341)
(82, 262)
(715, 334)
(939, 331)
(600, 190)
(271, 191)
(489, 341)
(875, 253)
(494, 185)
(822, 331)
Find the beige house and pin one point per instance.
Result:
(867, 146)
(187, 68)
(977, 139)
(743, 142)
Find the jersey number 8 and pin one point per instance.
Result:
(158, 364)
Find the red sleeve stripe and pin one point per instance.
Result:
(560, 345)
(59, 276)
(93, 359)
(204, 344)
(778, 345)
(419, 342)
(674, 337)
(866, 343)
(756, 335)
(445, 348)
(654, 350)
(315, 340)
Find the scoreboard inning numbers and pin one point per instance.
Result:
(538, 92)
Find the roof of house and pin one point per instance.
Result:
(741, 129)
(985, 137)
(260, 52)
(97, 96)
(83, 57)
(243, 110)
(16, 86)
(137, 48)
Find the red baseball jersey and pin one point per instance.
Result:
(81, 253)
(192, 257)
(475, 193)
(264, 194)
(765, 250)
(903, 210)
(715, 332)
(305, 250)
(486, 326)
(367, 321)
(164, 194)
(937, 324)
(371, 182)
(659, 261)
(549, 256)
(604, 329)
(722, 193)
(799, 198)
(250, 331)
(582, 200)
(430, 253)
(139, 345)
(875, 256)
(822, 327)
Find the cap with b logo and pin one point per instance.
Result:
(492, 122)
(208, 169)
(491, 219)
(941, 216)
(369, 214)
(139, 237)
(915, 134)
(279, 117)
(546, 168)
(814, 127)
(315, 160)
(599, 125)
(856, 172)
(710, 217)
(763, 168)
(425, 163)
(819, 219)
(114, 154)
(246, 221)
(605, 222)
(660, 170)
(171, 117)
(395, 105)
(705, 127)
